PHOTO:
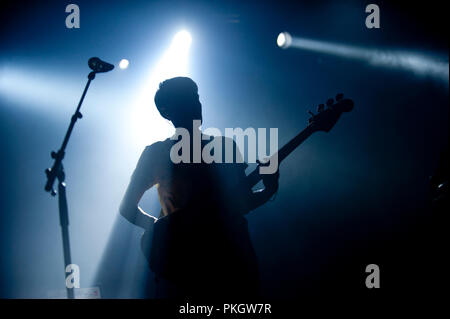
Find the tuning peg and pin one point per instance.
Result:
(330, 102)
(312, 116)
(53, 192)
(53, 154)
(339, 96)
(320, 108)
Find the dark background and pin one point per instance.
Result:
(356, 196)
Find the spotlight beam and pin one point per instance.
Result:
(147, 124)
(417, 63)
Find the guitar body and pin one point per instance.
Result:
(190, 243)
(164, 245)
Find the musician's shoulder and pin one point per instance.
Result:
(157, 147)
(159, 144)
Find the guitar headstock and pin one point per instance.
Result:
(328, 115)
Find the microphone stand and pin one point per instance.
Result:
(57, 172)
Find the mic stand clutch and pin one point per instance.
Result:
(57, 172)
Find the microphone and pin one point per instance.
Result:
(99, 66)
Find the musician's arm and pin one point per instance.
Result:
(141, 180)
(132, 212)
(250, 199)
(261, 196)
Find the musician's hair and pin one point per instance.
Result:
(175, 93)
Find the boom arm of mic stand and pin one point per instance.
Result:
(52, 173)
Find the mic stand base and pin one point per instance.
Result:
(64, 222)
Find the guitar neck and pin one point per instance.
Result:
(290, 146)
(254, 177)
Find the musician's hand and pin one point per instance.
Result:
(259, 197)
(270, 182)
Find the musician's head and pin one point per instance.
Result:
(177, 100)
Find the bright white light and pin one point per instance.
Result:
(281, 39)
(147, 124)
(182, 40)
(123, 64)
(284, 40)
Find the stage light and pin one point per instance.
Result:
(421, 64)
(182, 40)
(284, 40)
(147, 124)
(123, 64)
